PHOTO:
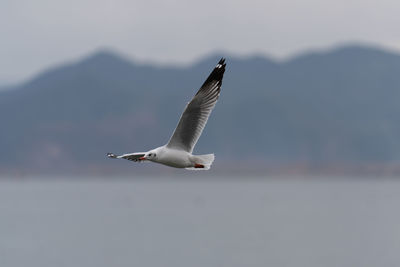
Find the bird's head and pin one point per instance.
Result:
(151, 155)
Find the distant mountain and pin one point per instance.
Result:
(336, 106)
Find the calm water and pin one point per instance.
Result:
(200, 222)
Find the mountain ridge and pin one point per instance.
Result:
(339, 105)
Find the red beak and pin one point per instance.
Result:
(142, 158)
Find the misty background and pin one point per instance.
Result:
(38, 35)
(304, 91)
(334, 111)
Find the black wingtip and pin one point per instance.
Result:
(216, 75)
(218, 71)
(220, 67)
(111, 155)
(221, 62)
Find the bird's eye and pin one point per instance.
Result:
(154, 155)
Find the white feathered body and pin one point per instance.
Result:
(179, 158)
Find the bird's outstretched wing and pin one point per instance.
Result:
(131, 156)
(197, 111)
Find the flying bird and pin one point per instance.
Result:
(178, 151)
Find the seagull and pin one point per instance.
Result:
(178, 151)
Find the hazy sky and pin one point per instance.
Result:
(38, 34)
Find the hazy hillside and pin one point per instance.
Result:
(338, 106)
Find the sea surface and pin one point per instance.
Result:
(197, 222)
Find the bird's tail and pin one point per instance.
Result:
(203, 162)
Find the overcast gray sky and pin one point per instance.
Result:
(38, 34)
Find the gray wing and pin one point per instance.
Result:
(197, 111)
(131, 156)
